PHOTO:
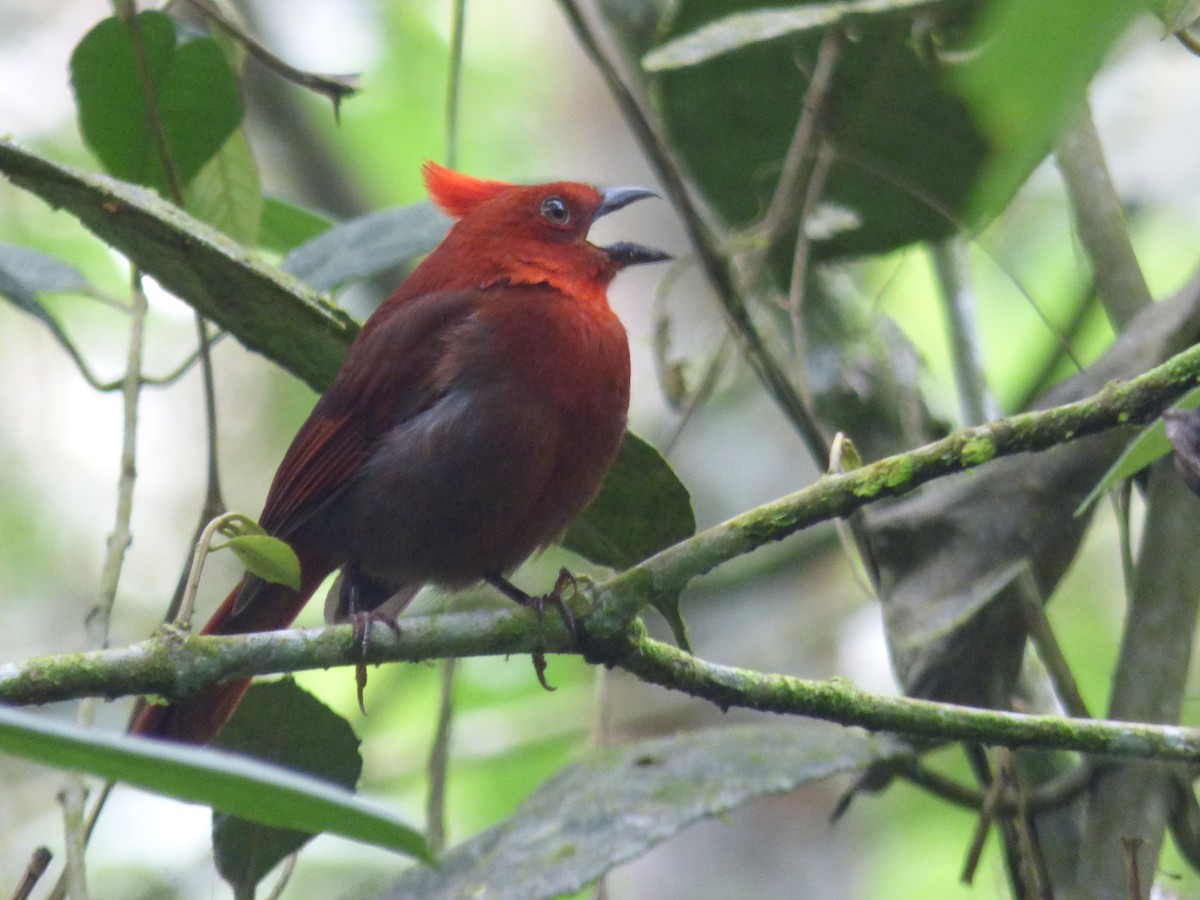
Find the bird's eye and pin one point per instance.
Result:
(556, 211)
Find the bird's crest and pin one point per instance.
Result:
(457, 194)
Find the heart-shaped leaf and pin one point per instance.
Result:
(195, 94)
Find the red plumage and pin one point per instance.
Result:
(474, 416)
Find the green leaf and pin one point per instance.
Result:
(267, 557)
(196, 96)
(1149, 446)
(642, 508)
(367, 245)
(614, 804)
(224, 781)
(286, 226)
(747, 28)
(267, 310)
(1035, 62)
(1179, 14)
(25, 274)
(907, 149)
(226, 193)
(280, 723)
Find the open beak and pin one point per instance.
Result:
(624, 253)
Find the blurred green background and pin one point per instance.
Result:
(532, 108)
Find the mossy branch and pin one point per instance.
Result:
(175, 666)
(171, 665)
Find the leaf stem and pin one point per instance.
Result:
(1100, 221)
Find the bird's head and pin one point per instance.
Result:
(539, 226)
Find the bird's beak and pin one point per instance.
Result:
(620, 197)
(624, 253)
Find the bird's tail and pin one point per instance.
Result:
(197, 719)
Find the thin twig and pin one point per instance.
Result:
(1052, 793)
(184, 367)
(792, 187)
(289, 869)
(1123, 508)
(203, 546)
(1100, 221)
(73, 798)
(697, 397)
(167, 380)
(458, 25)
(38, 863)
(214, 503)
(335, 87)
(438, 764)
(121, 536)
(953, 272)
(439, 759)
(1048, 649)
(73, 795)
(988, 812)
(1189, 41)
(796, 292)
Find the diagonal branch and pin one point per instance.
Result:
(167, 665)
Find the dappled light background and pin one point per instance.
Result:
(532, 108)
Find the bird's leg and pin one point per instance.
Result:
(554, 598)
(360, 598)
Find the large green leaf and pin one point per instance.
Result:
(227, 194)
(196, 96)
(745, 29)
(615, 804)
(367, 245)
(1033, 70)
(907, 151)
(286, 226)
(266, 309)
(282, 318)
(232, 783)
(642, 508)
(285, 725)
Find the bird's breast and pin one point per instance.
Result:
(532, 400)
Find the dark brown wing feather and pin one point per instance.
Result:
(362, 404)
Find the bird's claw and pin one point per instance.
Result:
(555, 598)
(362, 623)
(539, 669)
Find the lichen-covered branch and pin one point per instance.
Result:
(173, 665)
(169, 665)
(839, 701)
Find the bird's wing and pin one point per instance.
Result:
(390, 375)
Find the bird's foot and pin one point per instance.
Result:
(362, 622)
(538, 604)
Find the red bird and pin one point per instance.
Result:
(474, 416)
